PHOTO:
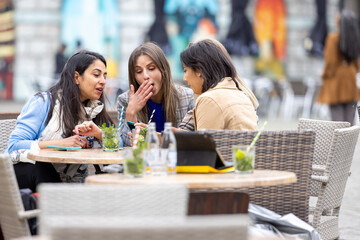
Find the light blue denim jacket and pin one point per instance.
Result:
(29, 124)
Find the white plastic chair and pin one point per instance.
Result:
(299, 95)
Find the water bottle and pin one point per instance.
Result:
(152, 157)
(168, 149)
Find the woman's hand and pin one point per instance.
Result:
(73, 141)
(141, 125)
(174, 129)
(131, 138)
(138, 99)
(137, 126)
(88, 128)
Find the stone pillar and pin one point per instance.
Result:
(37, 39)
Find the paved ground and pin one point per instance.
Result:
(350, 210)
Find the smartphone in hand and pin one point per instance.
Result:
(131, 125)
(63, 148)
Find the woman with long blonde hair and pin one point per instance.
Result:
(151, 88)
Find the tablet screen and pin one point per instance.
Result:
(196, 148)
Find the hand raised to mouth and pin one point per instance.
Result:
(138, 99)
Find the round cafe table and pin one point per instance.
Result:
(202, 180)
(192, 180)
(209, 193)
(82, 156)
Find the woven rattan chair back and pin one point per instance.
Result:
(58, 200)
(13, 223)
(9, 115)
(6, 127)
(326, 213)
(276, 150)
(213, 227)
(324, 131)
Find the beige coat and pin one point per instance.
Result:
(339, 77)
(224, 107)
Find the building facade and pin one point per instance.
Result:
(38, 37)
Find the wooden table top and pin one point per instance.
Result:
(82, 156)
(202, 180)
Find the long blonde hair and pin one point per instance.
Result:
(169, 97)
(242, 85)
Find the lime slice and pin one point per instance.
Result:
(239, 154)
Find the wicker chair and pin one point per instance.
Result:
(276, 150)
(213, 227)
(6, 127)
(9, 115)
(324, 131)
(108, 201)
(12, 214)
(326, 215)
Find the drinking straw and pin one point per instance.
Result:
(137, 133)
(256, 137)
(152, 114)
(120, 119)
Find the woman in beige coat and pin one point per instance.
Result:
(341, 56)
(222, 103)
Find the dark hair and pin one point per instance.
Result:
(349, 42)
(68, 93)
(170, 97)
(210, 61)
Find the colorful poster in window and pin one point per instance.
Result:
(188, 21)
(270, 32)
(240, 39)
(92, 24)
(7, 49)
(314, 44)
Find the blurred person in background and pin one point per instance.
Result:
(152, 88)
(224, 101)
(50, 118)
(60, 61)
(341, 64)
